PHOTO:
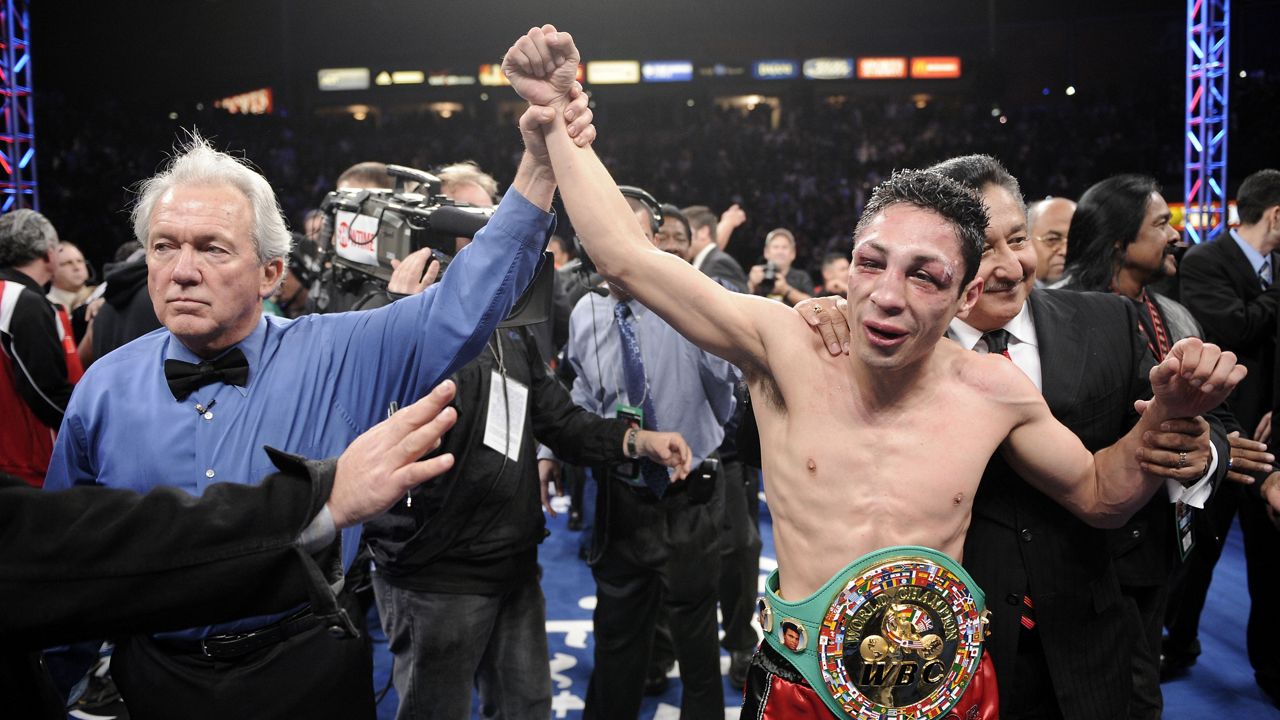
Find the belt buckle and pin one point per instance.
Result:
(902, 638)
(204, 649)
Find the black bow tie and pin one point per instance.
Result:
(185, 378)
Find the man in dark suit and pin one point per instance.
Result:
(1122, 243)
(1228, 285)
(706, 256)
(1060, 647)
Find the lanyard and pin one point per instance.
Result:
(1159, 345)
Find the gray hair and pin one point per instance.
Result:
(197, 163)
(467, 172)
(25, 235)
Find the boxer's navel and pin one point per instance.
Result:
(813, 466)
(959, 498)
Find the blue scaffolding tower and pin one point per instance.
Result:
(1204, 178)
(17, 134)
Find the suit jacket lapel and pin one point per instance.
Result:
(1062, 346)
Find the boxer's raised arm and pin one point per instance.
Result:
(721, 322)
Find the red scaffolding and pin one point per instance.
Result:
(17, 133)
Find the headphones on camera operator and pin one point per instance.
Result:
(585, 269)
(365, 229)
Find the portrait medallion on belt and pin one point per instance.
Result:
(902, 639)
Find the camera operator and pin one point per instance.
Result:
(776, 278)
(460, 555)
(339, 288)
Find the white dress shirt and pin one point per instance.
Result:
(701, 257)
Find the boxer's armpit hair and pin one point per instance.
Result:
(758, 376)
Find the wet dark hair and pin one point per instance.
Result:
(959, 206)
(1107, 219)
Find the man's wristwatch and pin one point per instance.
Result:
(632, 452)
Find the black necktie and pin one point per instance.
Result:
(997, 342)
(185, 378)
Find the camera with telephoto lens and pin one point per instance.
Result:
(364, 230)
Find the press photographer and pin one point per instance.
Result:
(776, 278)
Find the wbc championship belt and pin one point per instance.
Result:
(896, 635)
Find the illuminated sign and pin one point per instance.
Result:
(445, 79)
(408, 77)
(613, 72)
(720, 70)
(1200, 220)
(882, 68)
(830, 68)
(774, 69)
(667, 71)
(343, 78)
(491, 75)
(254, 102)
(932, 68)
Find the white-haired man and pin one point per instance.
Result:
(194, 403)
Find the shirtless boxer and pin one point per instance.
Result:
(881, 458)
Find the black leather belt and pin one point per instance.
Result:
(223, 647)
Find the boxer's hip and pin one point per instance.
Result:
(898, 631)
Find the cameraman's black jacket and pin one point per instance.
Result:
(474, 530)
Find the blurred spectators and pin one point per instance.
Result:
(811, 173)
(70, 278)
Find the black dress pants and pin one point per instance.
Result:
(652, 554)
(740, 556)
